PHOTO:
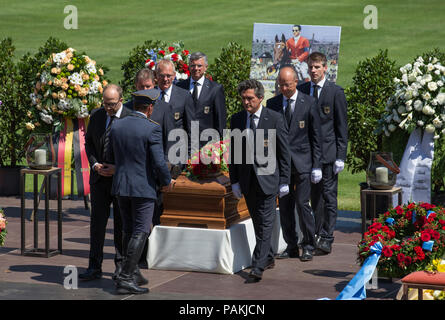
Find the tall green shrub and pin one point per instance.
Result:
(367, 97)
(13, 134)
(229, 69)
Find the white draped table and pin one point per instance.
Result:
(207, 250)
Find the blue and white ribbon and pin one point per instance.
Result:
(355, 289)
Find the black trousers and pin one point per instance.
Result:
(299, 194)
(136, 214)
(324, 203)
(262, 210)
(101, 201)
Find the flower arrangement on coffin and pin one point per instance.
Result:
(412, 236)
(3, 223)
(419, 99)
(210, 160)
(69, 85)
(175, 53)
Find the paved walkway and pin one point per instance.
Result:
(24, 277)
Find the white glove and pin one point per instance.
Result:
(339, 165)
(284, 190)
(316, 175)
(236, 189)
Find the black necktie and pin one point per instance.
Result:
(107, 139)
(252, 122)
(315, 93)
(288, 111)
(163, 95)
(195, 91)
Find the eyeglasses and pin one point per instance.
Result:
(111, 104)
(295, 30)
(162, 76)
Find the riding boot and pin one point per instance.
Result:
(138, 277)
(125, 282)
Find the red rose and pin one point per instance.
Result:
(162, 52)
(365, 249)
(409, 215)
(408, 260)
(442, 222)
(391, 234)
(435, 235)
(171, 49)
(396, 247)
(174, 57)
(151, 65)
(376, 225)
(376, 238)
(387, 252)
(185, 52)
(373, 230)
(412, 205)
(399, 210)
(401, 257)
(425, 236)
(385, 229)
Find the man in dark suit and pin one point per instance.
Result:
(136, 149)
(303, 123)
(180, 100)
(258, 180)
(208, 96)
(332, 107)
(101, 179)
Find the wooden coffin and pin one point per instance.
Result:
(207, 203)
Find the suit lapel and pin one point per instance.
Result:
(324, 91)
(204, 90)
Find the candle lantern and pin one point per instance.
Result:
(382, 171)
(40, 152)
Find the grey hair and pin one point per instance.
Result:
(198, 55)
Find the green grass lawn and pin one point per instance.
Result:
(107, 31)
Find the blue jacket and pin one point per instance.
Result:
(136, 147)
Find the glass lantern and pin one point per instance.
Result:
(40, 152)
(382, 171)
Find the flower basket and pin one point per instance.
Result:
(412, 236)
(209, 162)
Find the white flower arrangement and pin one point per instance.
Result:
(419, 99)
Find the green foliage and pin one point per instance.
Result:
(17, 84)
(136, 62)
(229, 69)
(367, 97)
(13, 135)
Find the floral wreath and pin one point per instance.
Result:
(176, 53)
(211, 159)
(412, 237)
(3, 223)
(69, 85)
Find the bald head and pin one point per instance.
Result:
(287, 81)
(112, 89)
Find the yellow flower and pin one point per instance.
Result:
(29, 126)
